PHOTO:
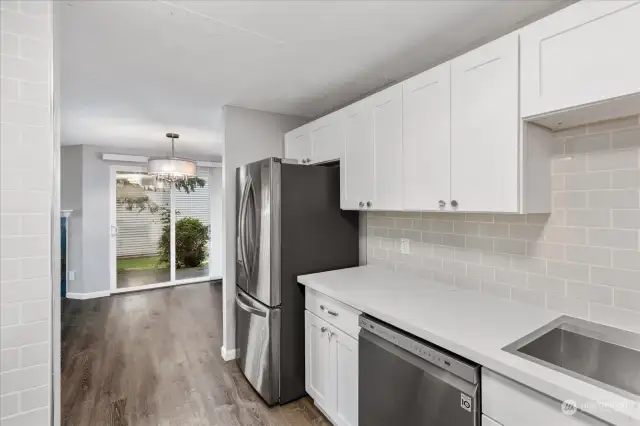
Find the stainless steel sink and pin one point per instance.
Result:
(601, 355)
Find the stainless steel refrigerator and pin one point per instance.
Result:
(289, 223)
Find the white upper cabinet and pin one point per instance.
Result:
(298, 144)
(358, 157)
(426, 140)
(387, 144)
(373, 152)
(485, 128)
(327, 136)
(585, 53)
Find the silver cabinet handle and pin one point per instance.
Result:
(368, 203)
(329, 311)
(454, 203)
(442, 203)
(361, 204)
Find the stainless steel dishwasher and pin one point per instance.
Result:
(406, 381)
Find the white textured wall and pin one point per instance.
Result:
(26, 186)
(583, 259)
(249, 136)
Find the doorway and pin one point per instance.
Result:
(161, 233)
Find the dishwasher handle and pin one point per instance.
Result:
(450, 379)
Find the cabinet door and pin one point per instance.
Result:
(359, 156)
(485, 127)
(387, 145)
(318, 382)
(580, 55)
(344, 368)
(426, 139)
(298, 144)
(327, 136)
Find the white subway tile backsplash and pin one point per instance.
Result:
(507, 246)
(588, 143)
(589, 255)
(20, 291)
(590, 292)
(568, 306)
(625, 179)
(35, 310)
(626, 219)
(567, 270)
(615, 277)
(614, 238)
(613, 160)
(570, 261)
(546, 284)
(626, 259)
(34, 398)
(28, 418)
(613, 199)
(627, 138)
(511, 278)
(617, 317)
(626, 299)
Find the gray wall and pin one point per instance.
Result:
(71, 199)
(583, 259)
(94, 266)
(250, 136)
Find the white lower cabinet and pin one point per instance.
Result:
(331, 370)
(488, 421)
(512, 404)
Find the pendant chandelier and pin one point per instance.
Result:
(172, 169)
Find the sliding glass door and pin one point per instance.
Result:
(160, 232)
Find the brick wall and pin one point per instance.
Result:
(583, 259)
(26, 185)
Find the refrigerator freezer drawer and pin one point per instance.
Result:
(258, 343)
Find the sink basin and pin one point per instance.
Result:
(601, 355)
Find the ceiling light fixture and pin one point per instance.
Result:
(172, 169)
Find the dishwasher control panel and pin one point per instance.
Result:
(460, 368)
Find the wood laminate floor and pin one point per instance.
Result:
(153, 358)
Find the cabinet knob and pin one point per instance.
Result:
(368, 203)
(361, 204)
(308, 160)
(442, 203)
(323, 329)
(454, 204)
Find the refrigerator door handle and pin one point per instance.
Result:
(251, 242)
(242, 225)
(251, 310)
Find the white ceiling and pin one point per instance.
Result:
(133, 70)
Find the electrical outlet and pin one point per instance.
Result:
(405, 246)
(72, 275)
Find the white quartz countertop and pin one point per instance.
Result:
(474, 325)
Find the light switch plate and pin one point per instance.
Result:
(405, 246)
(72, 275)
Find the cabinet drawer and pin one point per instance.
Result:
(334, 312)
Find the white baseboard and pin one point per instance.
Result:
(228, 354)
(83, 296)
